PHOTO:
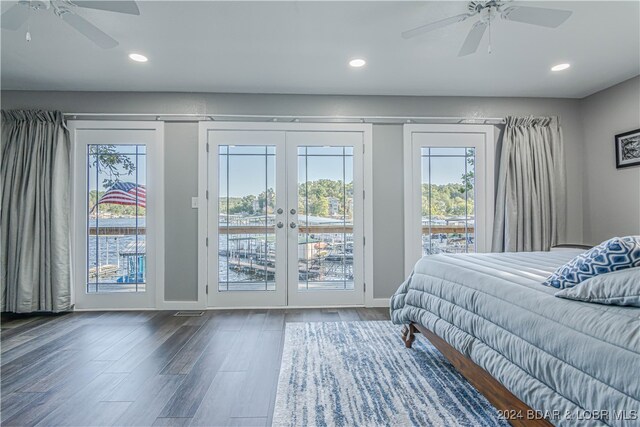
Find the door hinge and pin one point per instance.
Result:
(207, 289)
(363, 148)
(364, 240)
(363, 194)
(207, 147)
(365, 287)
(207, 193)
(206, 242)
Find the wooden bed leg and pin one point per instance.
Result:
(408, 335)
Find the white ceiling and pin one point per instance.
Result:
(303, 47)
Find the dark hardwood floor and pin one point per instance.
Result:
(149, 368)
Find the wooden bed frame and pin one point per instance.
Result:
(514, 409)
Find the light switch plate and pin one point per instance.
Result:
(194, 203)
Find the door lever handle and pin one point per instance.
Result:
(292, 225)
(280, 224)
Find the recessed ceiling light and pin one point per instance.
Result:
(560, 67)
(137, 57)
(357, 63)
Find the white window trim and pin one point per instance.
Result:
(154, 296)
(203, 208)
(410, 177)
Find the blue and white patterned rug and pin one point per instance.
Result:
(361, 374)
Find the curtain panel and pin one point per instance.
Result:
(35, 211)
(531, 196)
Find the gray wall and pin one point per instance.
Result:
(181, 155)
(611, 196)
(181, 228)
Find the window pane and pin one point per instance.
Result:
(448, 194)
(325, 151)
(255, 150)
(116, 213)
(448, 151)
(246, 245)
(325, 218)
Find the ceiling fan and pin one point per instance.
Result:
(488, 11)
(18, 14)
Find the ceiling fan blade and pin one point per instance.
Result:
(434, 25)
(89, 30)
(120, 6)
(13, 18)
(473, 39)
(551, 18)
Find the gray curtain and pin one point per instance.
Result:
(531, 196)
(36, 262)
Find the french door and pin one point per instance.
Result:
(118, 218)
(285, 216)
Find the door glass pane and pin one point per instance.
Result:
(325, 218)
(116, 213)
(247, 243)
(448, 194)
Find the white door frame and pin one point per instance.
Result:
(485, 172)
(207, 208)
(153, 296)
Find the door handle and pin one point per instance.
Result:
(292, 225)
(279, 211)
(280, 224)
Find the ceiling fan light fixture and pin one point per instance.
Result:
(357, 63)
(138, 57)
(485, 11)
(560, 67)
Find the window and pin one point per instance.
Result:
(448, 192)
(116, 213)
(246, 219)
(325, 216)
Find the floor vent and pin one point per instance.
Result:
(189, 313)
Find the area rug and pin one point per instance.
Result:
(361, 374)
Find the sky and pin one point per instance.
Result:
(444, 170)
(102, 174)
(247, 173)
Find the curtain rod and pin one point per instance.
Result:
(293, 118)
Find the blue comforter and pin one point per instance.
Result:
(577, 362)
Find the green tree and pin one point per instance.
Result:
(267, 200)
(446, 201)
(316, 195)
(108, 160)
(468, 179)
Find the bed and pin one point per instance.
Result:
(521, 346)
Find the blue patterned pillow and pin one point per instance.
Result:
(613, 255)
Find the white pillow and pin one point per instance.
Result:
(617, 288)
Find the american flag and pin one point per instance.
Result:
(125, 193)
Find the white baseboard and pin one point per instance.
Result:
(181, 305)
(380, 302)
(166, 305)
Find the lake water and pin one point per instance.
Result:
(108, 251)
